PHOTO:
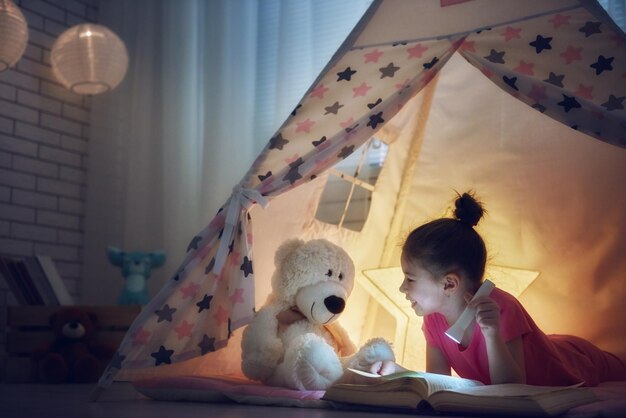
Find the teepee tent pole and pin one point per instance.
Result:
(407, 173)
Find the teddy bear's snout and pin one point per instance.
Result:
(334, 304)
(73, 330)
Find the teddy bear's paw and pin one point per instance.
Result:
(259, 367)
(316, 365)
(260, 357)
(87, 369)
(376, 349)
(53, 369)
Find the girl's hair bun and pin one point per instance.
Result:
(468, 210)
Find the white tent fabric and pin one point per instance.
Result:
(562, 58)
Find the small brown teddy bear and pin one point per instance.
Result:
(73, 356)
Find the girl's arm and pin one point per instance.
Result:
(436, 362)
(506, 360)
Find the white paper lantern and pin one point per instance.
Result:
(13, 34)
(89, 59)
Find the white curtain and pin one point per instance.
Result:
(617, 11)
(209, 82)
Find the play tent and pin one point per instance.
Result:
(521, 101)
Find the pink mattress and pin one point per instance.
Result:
(611, 395)
(226, 389)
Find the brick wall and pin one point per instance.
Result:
(44, 131)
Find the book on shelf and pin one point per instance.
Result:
(41, 281)
(54, 280)
(16, 278)
(10, 277)
(24, 277)
(34, 281)
(430, 392)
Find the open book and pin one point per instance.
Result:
(428, 392)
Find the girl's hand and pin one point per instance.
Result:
(385, 367)
(288, 317)
(487, 315)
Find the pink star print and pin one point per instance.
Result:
(184, 329)
(237, 297)
(468, 46)
(559, 20)
(291, 159)
(141, 337)
(416, 51)
(524, 68)
(347, 123)
(218, 221)
(427, 76)
(619, 41)
(267, 187)
(190, 290)
(325, 145)
(321, 164)
(585, 91)
(537, 93)
(487, 72)
(598, 115)
(361, 90)
(319, 91)
(249, 238)
(372, 56)
(202, 253)
(572, 54)
(221, 316)
(510, 33)
(235, 258)
(403, 85)
(305, 126)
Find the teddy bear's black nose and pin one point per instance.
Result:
(335, 304)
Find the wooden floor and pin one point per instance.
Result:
(122, 401)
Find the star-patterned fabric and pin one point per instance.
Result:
(566, 65)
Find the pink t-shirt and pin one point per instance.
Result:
(550, 360)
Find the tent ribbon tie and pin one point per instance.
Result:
(241, 198)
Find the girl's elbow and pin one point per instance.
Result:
(513, 376)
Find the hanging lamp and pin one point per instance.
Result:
(89, 59)
(13, 34)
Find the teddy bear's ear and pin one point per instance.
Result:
(157, 258)
(115, 256)
(286, 249)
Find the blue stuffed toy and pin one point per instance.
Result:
(136, 267)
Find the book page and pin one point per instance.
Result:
(364, 373)
(434, 382)
(510, 389)
(438, 382)
(512, 398)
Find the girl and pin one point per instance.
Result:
(443, 262)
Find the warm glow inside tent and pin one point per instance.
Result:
(520, 101)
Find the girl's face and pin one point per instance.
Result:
(422, 288)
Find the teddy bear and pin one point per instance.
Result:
(73, 356)
(136, 268)
(311, 282)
